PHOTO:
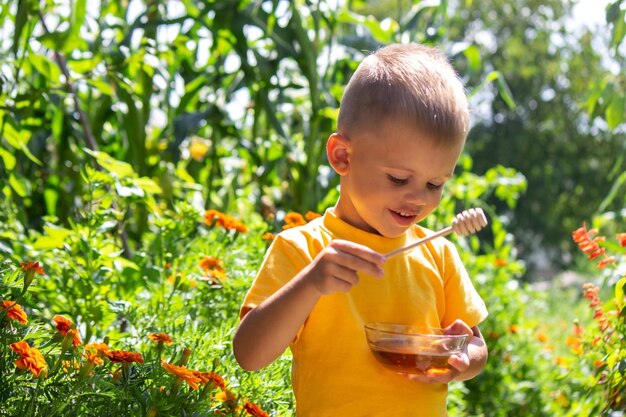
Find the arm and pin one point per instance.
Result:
(267, 330)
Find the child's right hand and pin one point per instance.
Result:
(335, 268)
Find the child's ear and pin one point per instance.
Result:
(338, 149)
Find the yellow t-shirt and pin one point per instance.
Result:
(333, 371)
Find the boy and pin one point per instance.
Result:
(402, 125)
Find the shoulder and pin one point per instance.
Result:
(303, 237)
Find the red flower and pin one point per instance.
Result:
(14, 311)
(621, 238)
(588, 242)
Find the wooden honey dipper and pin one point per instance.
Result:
(465, 223)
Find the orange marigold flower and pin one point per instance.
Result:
(14, 311)
(268, 236)
(63, 324)
(160, 337)
(93, 357)
(76, 340)
(206, 377)
(500, 262)
(182, 373)
(228, 398)
(541, 337)
(514, 328)
(293, 219)
(117, 356)
(254, 410)
(311, 215)
(213, 217)
(209, 263)
(621, 238)
(574, 343)
(30, 358)
(35, 267)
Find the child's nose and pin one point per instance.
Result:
(416, 196)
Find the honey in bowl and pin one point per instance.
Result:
(413, 350)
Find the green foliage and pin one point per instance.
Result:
(187, 282)
(564, 133)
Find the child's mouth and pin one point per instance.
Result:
(404, 218)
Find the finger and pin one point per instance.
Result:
(459, 362)
(356, 262)
(360, 251)
(459, 327)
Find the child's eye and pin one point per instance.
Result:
(396, 180)
(434, 187)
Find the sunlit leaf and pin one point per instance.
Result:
(7, 159)
(79, 11)
(119, 168)
(615, 111)
(54, 237)
(45, 67)
(148, 185)
(20, 184)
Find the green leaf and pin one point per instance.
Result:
(615, 111)
(619, 293)
(20, 185)
(8, 159)
(20, 20)
(613, 192)
(472, 54)
(102, 86)
(112, 165)
(45, 67)
(502, 86)
(54, 238)
(78, 16)
(83, 66)
(148, 185)
(382, 35)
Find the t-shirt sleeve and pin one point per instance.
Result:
(462, 300)
(283, 260)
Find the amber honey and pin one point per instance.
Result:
(398, 356)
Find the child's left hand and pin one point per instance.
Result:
(458, 363)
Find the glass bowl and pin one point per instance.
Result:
(412, 349)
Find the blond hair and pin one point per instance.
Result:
(406, 83)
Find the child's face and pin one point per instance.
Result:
(392, 178)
